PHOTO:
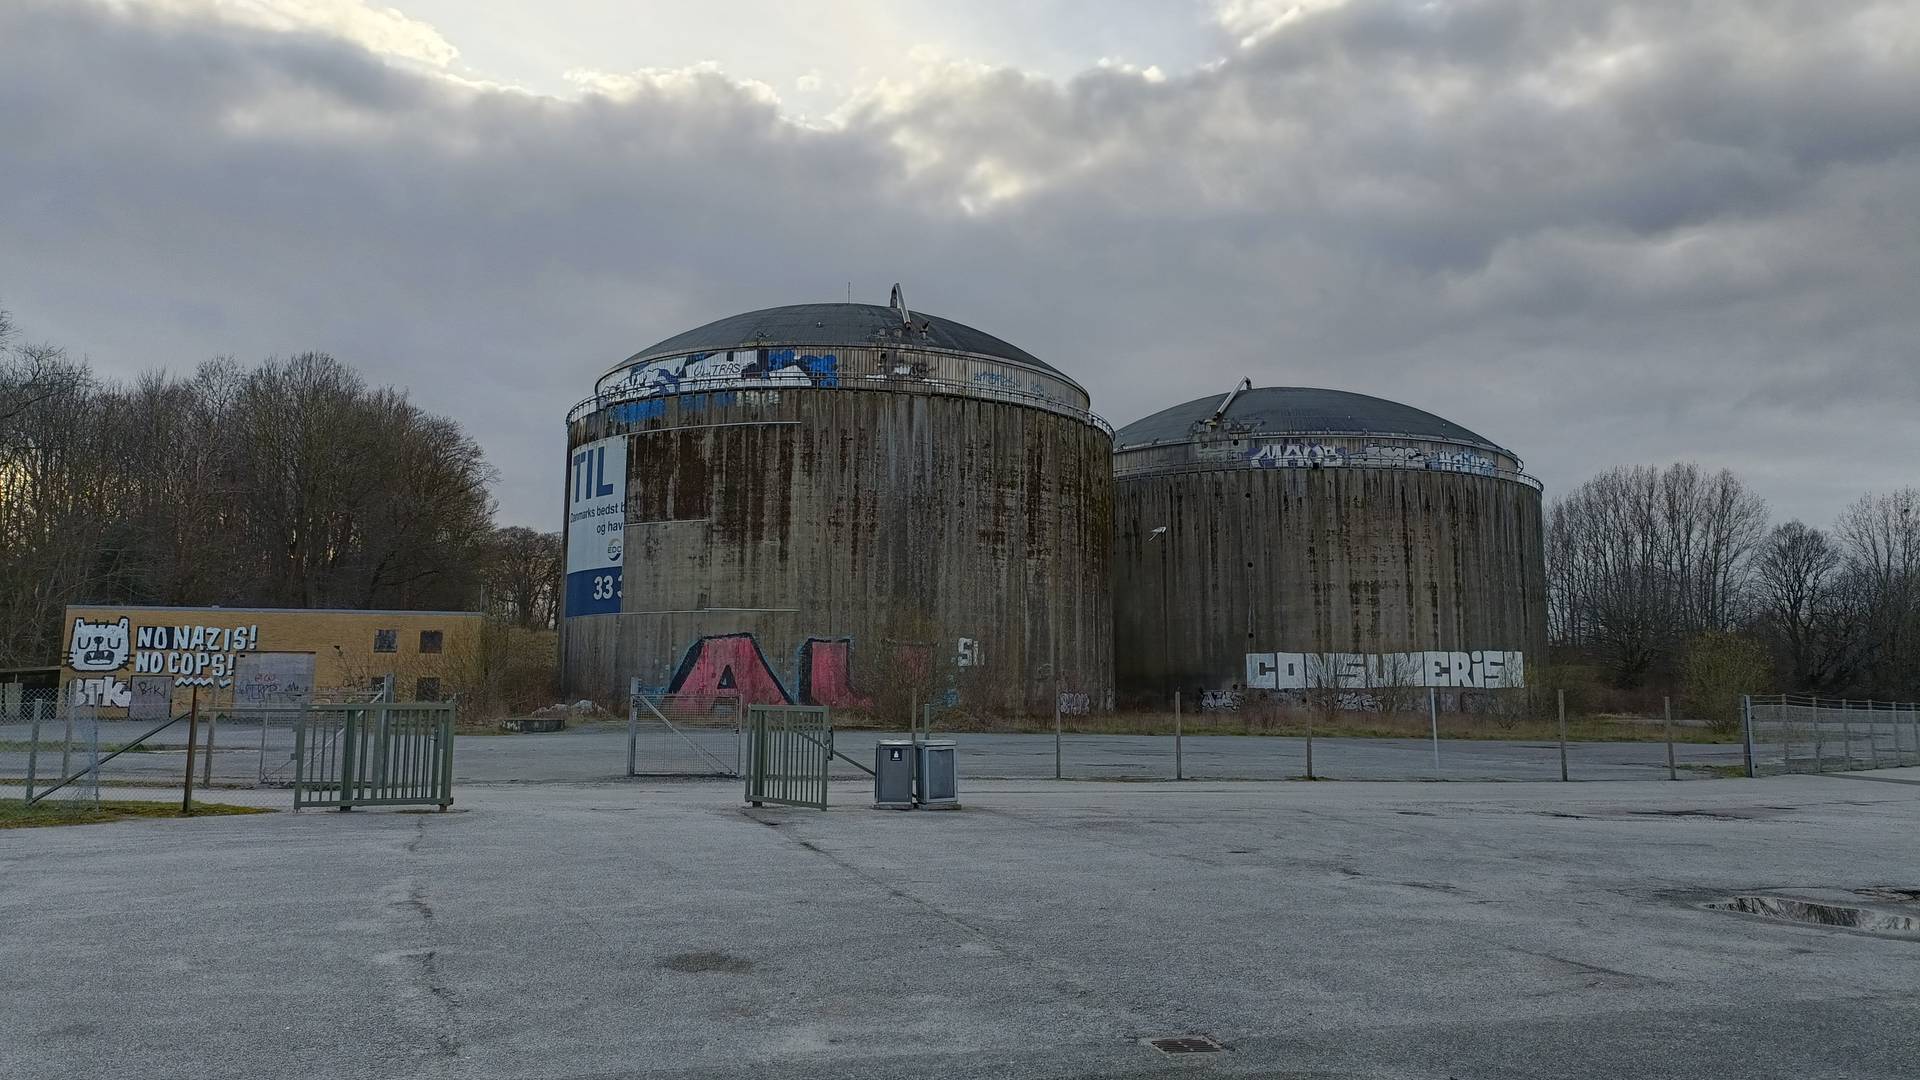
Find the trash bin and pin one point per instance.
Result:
(939, 775)
(893, 774)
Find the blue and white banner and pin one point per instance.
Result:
(596, 526)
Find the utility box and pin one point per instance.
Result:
(893, 774)
(939, 780)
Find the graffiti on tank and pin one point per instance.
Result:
(1075, 704)
(967, 653)
(735, 663)
(1219, 701)
(725, 369)
(826, 674)
(732, 663)
(1482, 670)
(998, 379)
(1306, 455)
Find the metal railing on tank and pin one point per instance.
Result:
(895, 383)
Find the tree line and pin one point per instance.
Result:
(290, 483)
(1658, 574)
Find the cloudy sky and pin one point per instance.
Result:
(1599, 232)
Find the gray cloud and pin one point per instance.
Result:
(1598, 233)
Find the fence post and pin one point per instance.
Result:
(1561, 698)
(66, 742)
(206, 765)
(1846, 736)
(33, 746)
(1310, 744)
(1179, 766)
(446, 760)
(1666, 709)
(1913, 716)
(193, 729)
(349, 752)
(633, 724)
(1819, 739)
(1433, 718)
(1056, 723)
(1873, 737)
(1746, 732)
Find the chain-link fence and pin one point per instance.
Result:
(1807, 734)
(55, 750)
(1226, 737)
(685, 734)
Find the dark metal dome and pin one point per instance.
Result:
(1296, 410)
(845, 325)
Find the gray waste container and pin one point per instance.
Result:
(893, 774)
(939, 775)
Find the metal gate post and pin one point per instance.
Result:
(348, 757)
(299, 754)
(446, 759)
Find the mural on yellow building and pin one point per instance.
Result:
(419, 651)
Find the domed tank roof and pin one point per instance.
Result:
(1295, 410)
(845, 325)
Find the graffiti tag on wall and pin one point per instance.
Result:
(723, 370)
(1308, 455)
(1219, 701)
(735, 663)
(1482, 670)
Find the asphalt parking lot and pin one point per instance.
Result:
(610, 929)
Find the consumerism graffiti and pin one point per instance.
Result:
(1480, 670)
(1306, 455)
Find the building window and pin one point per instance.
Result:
(386, 640)
(427, 690)
(429, 641)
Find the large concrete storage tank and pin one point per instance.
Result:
(1274, 540)
(813, 503)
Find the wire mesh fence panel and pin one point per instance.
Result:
(70, 752)
(685, 734)
(1806, 734)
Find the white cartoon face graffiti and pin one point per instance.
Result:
(100, 646)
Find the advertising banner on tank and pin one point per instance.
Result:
(596, 526)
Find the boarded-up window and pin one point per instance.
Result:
(429, 641)
(427, 690)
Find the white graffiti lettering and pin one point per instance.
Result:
(1483, 670)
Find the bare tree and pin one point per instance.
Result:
(1804, 597)
(523, 575)
(292, 484)
(1641, 559)
(1881, 537)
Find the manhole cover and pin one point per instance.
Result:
(1186, 1044)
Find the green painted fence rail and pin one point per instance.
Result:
(374, 754)
(789, 748)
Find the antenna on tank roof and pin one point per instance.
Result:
(1225, 402)
(898, 302)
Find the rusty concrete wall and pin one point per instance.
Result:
(800, 529)
(1320, 563)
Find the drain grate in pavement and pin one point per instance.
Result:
(1186, 1044)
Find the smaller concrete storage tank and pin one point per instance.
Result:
(1276, 540)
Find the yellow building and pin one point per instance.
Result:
(426, 654)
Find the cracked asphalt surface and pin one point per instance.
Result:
(660, 929)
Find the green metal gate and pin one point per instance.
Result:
(378, 753)
(788, 750)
